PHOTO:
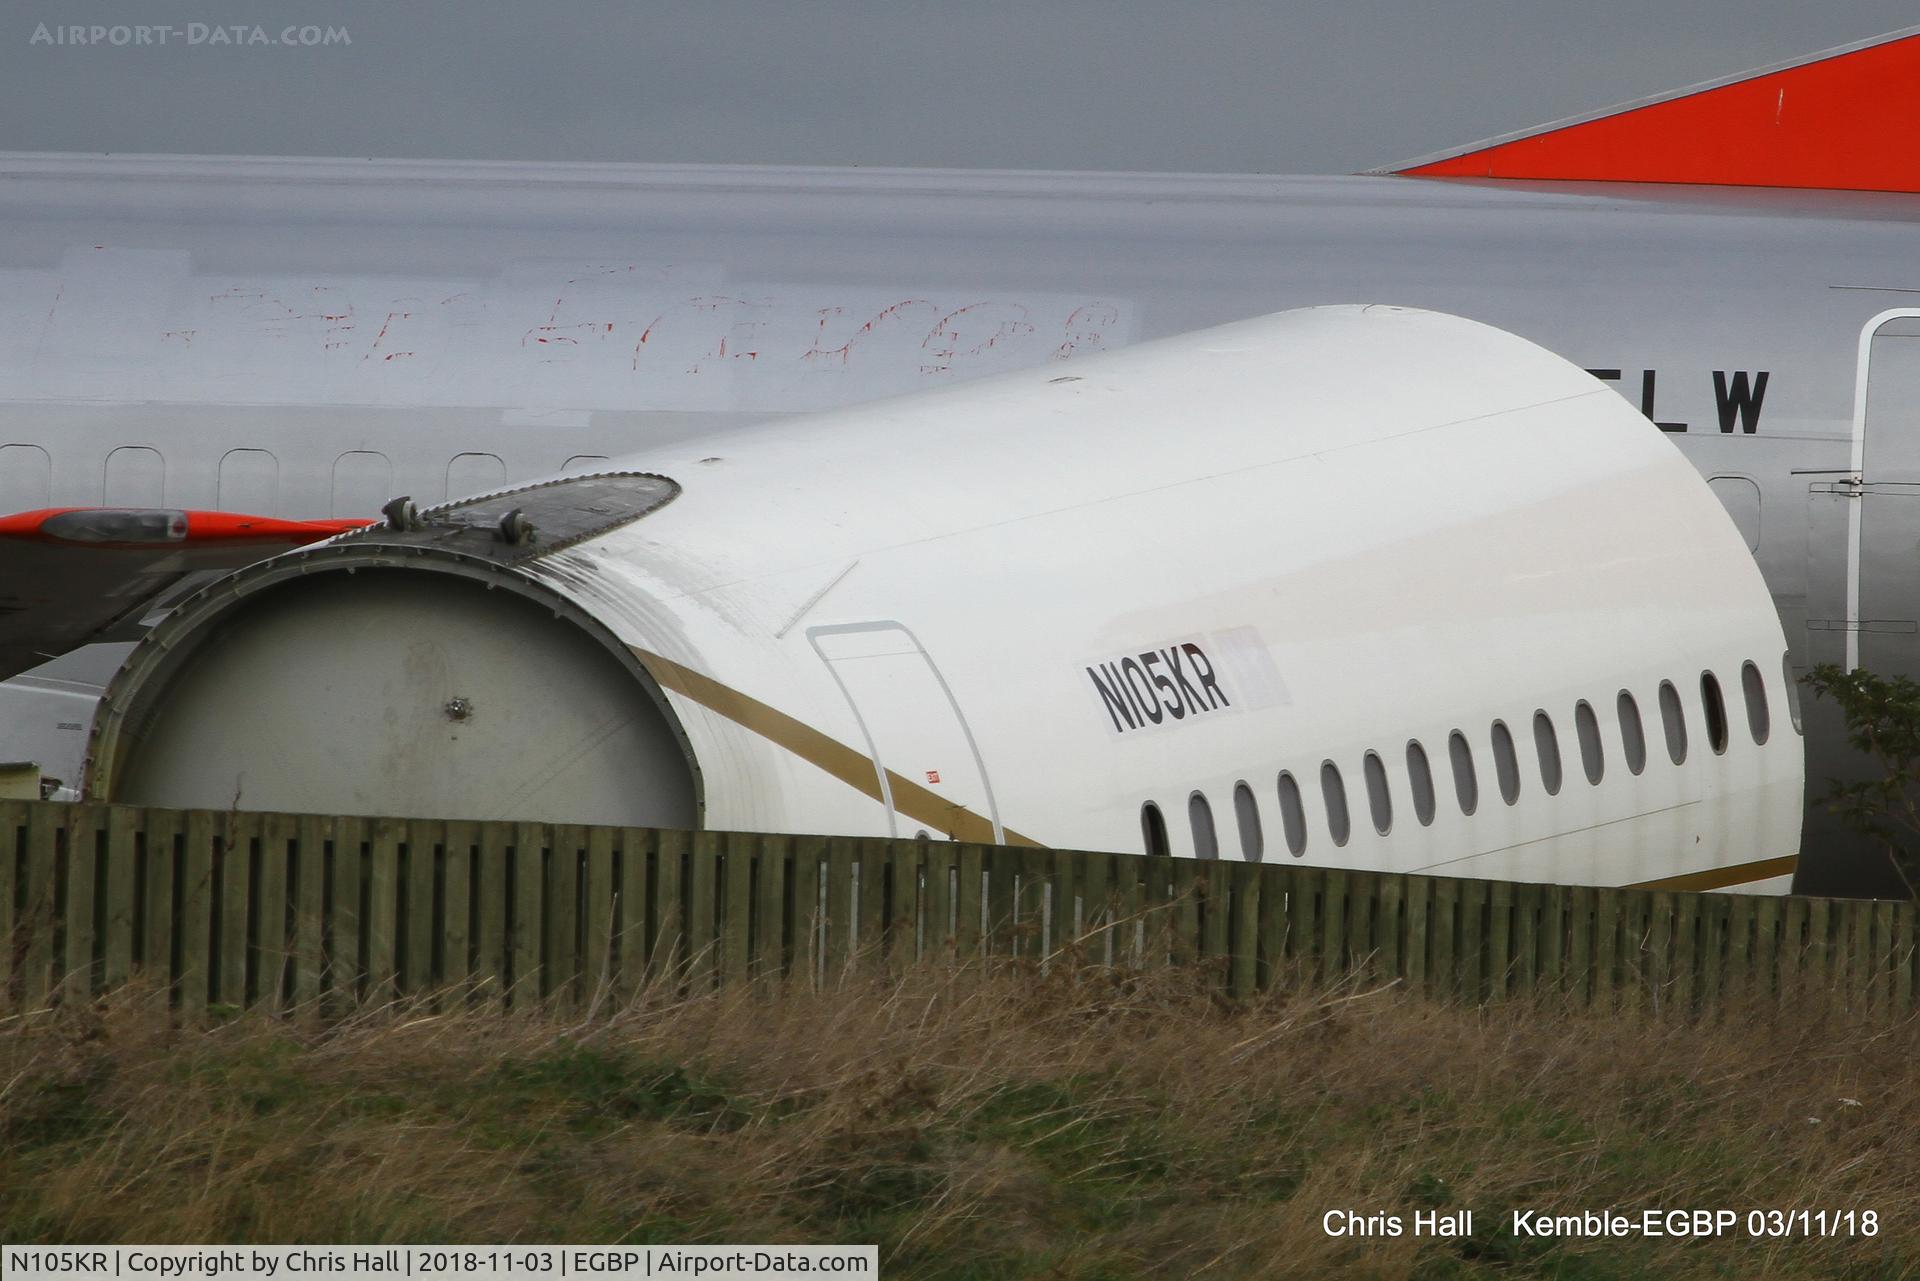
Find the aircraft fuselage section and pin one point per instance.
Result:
(308, 339)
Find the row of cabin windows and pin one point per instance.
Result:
(1466, 782)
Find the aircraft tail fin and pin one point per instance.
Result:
(1842, 120)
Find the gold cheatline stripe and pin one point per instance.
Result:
(854, 768)
(1719, 878)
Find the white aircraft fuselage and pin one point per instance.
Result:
(310, 338)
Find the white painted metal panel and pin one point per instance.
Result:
(249, 481)
(135, 476)
(362, 483)
(909, 721)
(26, 478)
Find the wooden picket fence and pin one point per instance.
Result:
(278, 910)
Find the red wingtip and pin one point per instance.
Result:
(1846, 120)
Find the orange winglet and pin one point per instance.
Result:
(1844, 120)
(150, 526)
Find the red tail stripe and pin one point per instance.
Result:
(1844, 122)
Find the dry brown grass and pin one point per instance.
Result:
(1078, 1125)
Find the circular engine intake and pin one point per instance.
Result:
(401, 692)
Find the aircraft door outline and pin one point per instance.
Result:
(926, 687)
(1857, 481)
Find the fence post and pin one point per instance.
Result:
(1096, 916)
(462, 847)
(560, 953)
(903, 863)
(1001, 875)
(1818, 966)
(1158, 912)
(1244, 948)
(1903, 959)
(1473, 940)
(1363, 889)
(772, 868)
(1499, 947)
(527, 902)
(808, 923)
(1217, 929)
(941, 926)
(121, 916)
(383, 908)
(1553, 938)
(1578, 981)
(1443, 973)
(870, 892)
(306, 946)
(637, 924)
(85, 842)
(1526, 938)
(1417, 911)
(34, 917)
(734, 947)
(969, 903)
(1766, 950)
(840, 907)
(1668, 954)
(669, 954)
(600, 902)
(1333, 924)
(271, 904)
(703, 897)
(13, 825)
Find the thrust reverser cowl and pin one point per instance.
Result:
(414, 668)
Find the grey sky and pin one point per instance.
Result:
(1215, 85)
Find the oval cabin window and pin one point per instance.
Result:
(1466, 787)
(1716, 709)
(1379, 803)
(1673, 720)
(1586, 727)
(1420, 782)
(1293, 815)
(1153, 831)
(1754, 688)
(1633, 736)
(1546, 745)
(1247, 813)
(1506, 763)
(1333, 790)
(1206, 844)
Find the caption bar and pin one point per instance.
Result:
(466, 1263)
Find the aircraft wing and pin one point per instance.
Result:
(70, 576)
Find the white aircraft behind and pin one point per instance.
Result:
(306, 340)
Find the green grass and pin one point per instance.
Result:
(1077, 1126)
